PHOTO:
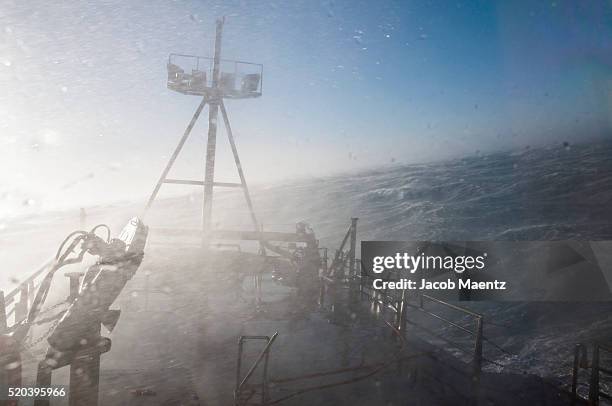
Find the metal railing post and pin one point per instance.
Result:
(264, 388)
(594, 382)
(43, 378)
(363, 277)
(238, 367)
(325, 258)
(31, 291)
(353, 246)
(85, 378)
(580, 360)
(21, 307)
(3, 321)
(477, 363)
(333, 291)
(401, 314)
(258, 282)
(321, 292)
(262, 356)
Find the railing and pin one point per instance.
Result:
(241, 385)
(343, 265)
(399, 305)
(18, 308)
(477, 333)
(17, 303)
(397, 302)
(581, 361)
(191, 74)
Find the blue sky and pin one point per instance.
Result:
(85, 116)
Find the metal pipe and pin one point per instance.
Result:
(325, 260)
(321, 292)
(238, 367)
(338, 256)
(43, 378)
(175, 154)
(443, 319)
(21, 307)
(353, 244)
(264, 385)
(10, 296)
(245, 189)
(211, 145)
(209, 172)
(210, 59)
(85, 380)
(580, 360)
(402, 313)
(452, 306)
(3, 317)
(258, 360)
(477, 361)
(255, 337)
(594, 381)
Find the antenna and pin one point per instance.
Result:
(188, 74)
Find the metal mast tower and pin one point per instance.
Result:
(188, 74)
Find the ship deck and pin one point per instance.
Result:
(176, 343)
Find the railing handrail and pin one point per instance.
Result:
(447, 321)
(443, 303)
(258, 360)
(382, 298)
(8, 298)
(398, 305)
(19, 308)
(452, 306)
(581, 361)
(263, 354)
(211, 58)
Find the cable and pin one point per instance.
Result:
(81, 233)
(108, 231)
(43, 289)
